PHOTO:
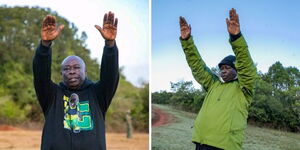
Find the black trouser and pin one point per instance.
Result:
(205, 147)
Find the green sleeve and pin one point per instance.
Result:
(201, 72)
(245, 67)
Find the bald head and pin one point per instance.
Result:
(73, 71)
(73, 58)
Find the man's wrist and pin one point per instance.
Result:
(46, 43)
(235, 37)
(185, 39)
(110, 43)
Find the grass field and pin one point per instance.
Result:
(177, 135)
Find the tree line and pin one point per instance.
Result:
(276, 101)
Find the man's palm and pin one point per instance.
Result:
(109, 32)
(49, 31)
(233, 23)
(185, 29)
(110, 24)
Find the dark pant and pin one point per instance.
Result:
(205, 147)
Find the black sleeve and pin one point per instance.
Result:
(106, 87)
(44, 87)
(235, 37)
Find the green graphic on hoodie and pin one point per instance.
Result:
(77, 114)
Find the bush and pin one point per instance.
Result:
(10, 112)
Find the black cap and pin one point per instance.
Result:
(228, 60)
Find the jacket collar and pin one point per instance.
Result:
(222, 81)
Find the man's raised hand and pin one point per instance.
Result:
(185, 29)
(233, 23)
(49, 31)
(109, 29)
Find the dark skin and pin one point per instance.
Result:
(109, 29)
(227, 73)
(73, 72)
(73, 67)
(233, 23)
(233, 28)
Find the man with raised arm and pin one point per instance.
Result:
(222, 119)
(75, 108)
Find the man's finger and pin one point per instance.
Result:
(52, 20)
(180, 21)
(234, 11)
(109, 17)
(46, 20)
(44, 24)
(104, 19)
(99, 28)
(116, 22)
(227, 22)
(237, 19)
(231, 14)
(112, 18)
(235, 15)
(60, 28)
(184, 21)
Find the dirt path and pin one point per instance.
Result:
(176, 132)
(18, 139)
(160, 118)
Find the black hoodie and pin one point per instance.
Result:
(82, 127)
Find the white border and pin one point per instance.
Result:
(150, 73)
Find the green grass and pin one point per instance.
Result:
(268, 139)
(177, 135)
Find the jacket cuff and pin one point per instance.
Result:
(44, 50)
(187, 42)
(235, 37)
(240, 42)
(110, 50)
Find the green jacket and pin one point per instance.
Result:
(222, 118)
